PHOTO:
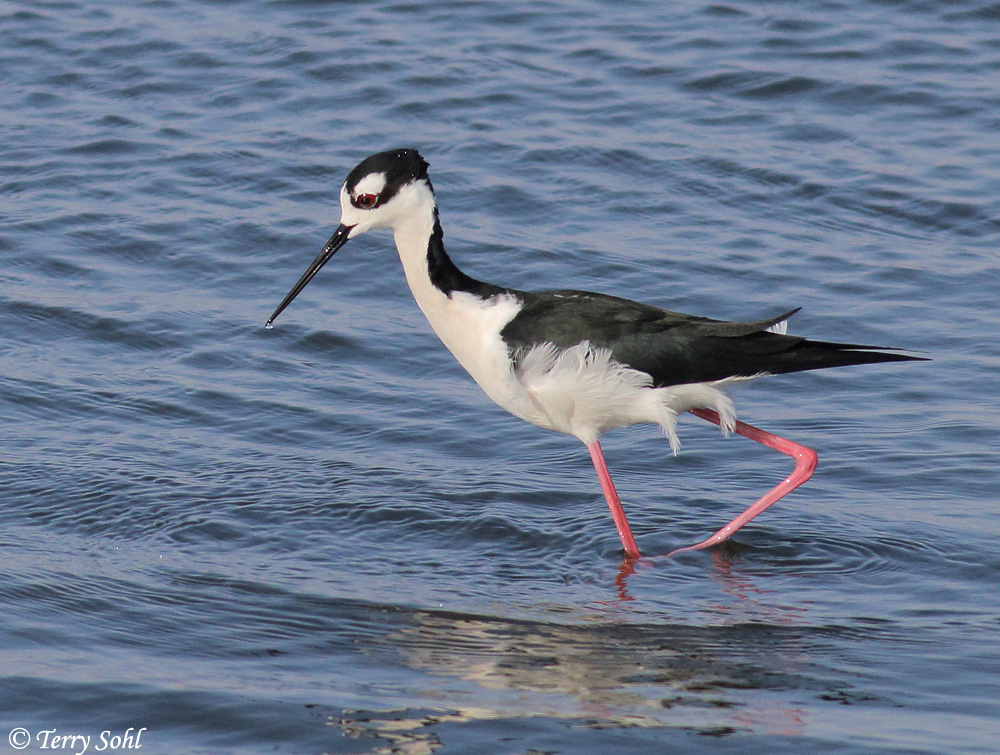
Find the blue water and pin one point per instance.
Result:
(324, 539)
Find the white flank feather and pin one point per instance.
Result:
(781, 328)
(584, 392)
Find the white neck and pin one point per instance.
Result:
(411, 232)
(467, 324)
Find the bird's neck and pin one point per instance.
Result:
(429, 270)
(443, 273)
(464, 313)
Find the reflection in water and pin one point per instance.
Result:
(747, 604)
(609, 670)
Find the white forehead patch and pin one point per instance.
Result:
(373, 183)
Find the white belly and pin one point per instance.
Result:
(580, 391)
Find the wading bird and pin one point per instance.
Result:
(576, 362)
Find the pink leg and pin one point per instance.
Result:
(617, 513)
(805, 463)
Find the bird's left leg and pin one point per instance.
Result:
(805, 463)
(617, 512)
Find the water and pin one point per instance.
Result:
(323, 538)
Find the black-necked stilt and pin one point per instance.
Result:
(577, 362)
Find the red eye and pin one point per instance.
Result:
(366, 200)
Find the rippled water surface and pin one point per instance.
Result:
(324, 538)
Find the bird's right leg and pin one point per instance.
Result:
(805, 463)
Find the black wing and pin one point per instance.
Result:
(672, 347)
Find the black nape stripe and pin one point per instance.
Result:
(445, 275)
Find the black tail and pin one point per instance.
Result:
(717, 357)
(817, 355)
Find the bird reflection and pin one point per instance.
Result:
(620, 673)
(747, 601)
(625, 570)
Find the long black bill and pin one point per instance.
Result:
(337, 240)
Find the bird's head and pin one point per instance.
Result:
(381, 191)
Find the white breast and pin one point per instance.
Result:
(468, 325)
(579, 391)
